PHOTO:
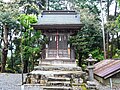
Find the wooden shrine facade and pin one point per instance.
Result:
(58, 26)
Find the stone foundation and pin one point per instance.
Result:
(57, 61)
(55, 77)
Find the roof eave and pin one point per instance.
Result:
(111, 74)
(108, 75)
(57, 26)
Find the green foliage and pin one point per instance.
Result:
(90, 4)
(8, 13)
(27, 20)
(118, 21)
(79, 43)
(16, 56)
(9, 66)
(31, 40)
(118, 2)
(89, 39)
(32, 6)
(31, 44)
(83, 87)
(91, 32)
(97, 54)
(56, 5)
(92, 29)
(117, 54)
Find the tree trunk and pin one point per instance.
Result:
(4, 49)
(107, 38)
(108, 10)
(115, 9)
(111, 55)
(115, 14)
(80, 59)
(4, 59)
(25, 70)
(32, 63)
(1, 38)
(107, 44)
(118, 41)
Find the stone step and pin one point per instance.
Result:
(57, 73)
(67, 82)
(59, 83)
(65, 67)
(57, 61)
(57, 88)
(58, 79)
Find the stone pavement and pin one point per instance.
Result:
(10, 81)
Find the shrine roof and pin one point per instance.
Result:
(107, 68)
(58, 18)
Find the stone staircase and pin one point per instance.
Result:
(58, 83)
(56, 77)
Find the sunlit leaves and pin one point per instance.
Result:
(31, 44)
(27, 20)
(118, 21)
(118, 2)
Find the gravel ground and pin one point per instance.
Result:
(10, 81)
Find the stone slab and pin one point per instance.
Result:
(62, 67)
(52, 73)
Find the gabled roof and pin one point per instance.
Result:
(59, 17)
(107, 68)
(58, 20)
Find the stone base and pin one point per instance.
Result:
(56, 77)
(60, 67)
(57, 61)
(31, 87)
(91, 85)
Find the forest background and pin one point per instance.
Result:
(21, 45)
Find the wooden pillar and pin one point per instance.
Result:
(57, 48)
(46, 50)
(68, 50)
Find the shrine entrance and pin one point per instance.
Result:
(58, 46)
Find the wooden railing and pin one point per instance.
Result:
(61, 53)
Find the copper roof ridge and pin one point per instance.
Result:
(106, 65)
(59, 12)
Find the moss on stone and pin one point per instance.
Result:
(83, 87)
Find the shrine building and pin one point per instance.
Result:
(57, 27)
